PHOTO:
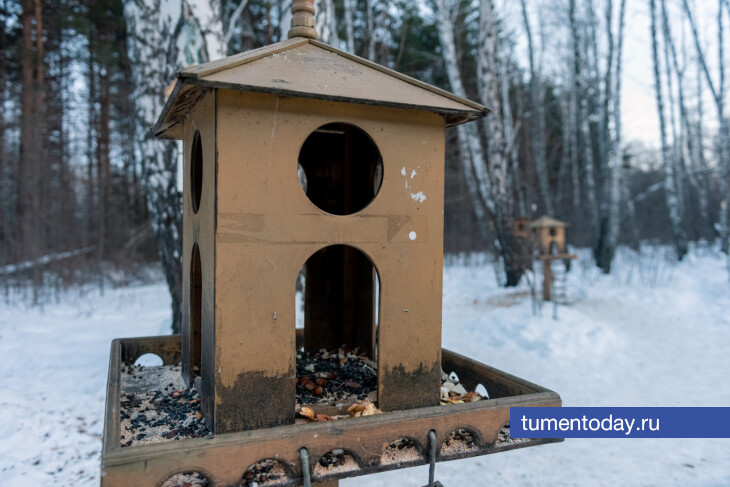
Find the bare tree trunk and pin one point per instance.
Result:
(537, 112)
(680, 239)
(31, 132)
(603, 253)
(349, 26)
(616, 166)
(326, 22)
(686, 150)
(90, 140)
(470, 147)
(572, 129)
(103, 166)
(511, 133)
(160, 34)
(718, 96)
(675, 147)
(497, 150)
(5, 250)
(581, 88)
(371, 30)
(724, 151)
(284, 18)
(703, 189)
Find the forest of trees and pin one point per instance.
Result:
(86, 193)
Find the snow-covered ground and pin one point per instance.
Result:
(654, 333)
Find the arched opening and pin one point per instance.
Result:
(265, 472)
(337, 306)
(149, 360)
(334, 462)
(401, 450)
(196, 311)
(460, 440)
(338, 301)
(196, 171)
(340, 168)
(192, 479)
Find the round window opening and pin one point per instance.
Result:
(340, 168)
(196, 171)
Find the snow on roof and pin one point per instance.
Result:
(311, 69)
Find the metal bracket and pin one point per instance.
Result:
(306, 475)
(432, 460)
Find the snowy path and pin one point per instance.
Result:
(621, 343)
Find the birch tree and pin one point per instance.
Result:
(497, 147)
(165, 36)
(470, 147)
(670, 188)
(326, 22)
(617, 155)
(718, 96)
(349, 26)
(537, 114)
(582, 127)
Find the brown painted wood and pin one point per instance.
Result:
(133, 348)
(225, 457)
(306, 68)
(547, 280)
(266, 226)
(199, 230)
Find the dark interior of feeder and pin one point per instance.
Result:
(196, 297)
(339, 288)
(342, 168)
(196, 171)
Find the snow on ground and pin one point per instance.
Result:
(53, 366)
(654, 333)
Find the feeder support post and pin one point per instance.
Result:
(302, 21)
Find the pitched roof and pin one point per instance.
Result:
(546, 221)
(307, 68)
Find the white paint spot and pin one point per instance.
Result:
(420, 197)
(413, 173)
(412, 235)
(403, 171)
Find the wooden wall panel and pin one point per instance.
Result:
(267, 228)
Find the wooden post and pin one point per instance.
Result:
(302, 21)
(547, 279)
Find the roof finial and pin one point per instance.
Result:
(302, 21)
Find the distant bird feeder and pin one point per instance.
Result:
(367, 143)
(548, 236)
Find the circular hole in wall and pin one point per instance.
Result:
(196, 171)
(340, 168)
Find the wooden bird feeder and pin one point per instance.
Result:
(301, 155)
(548, 236)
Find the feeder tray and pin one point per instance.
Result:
(462, 430)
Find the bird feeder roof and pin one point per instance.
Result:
(545, 221)
(307, 68)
